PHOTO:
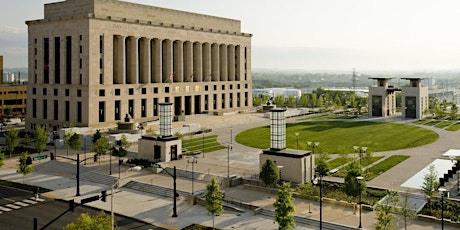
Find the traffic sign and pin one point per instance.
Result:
(40, 157)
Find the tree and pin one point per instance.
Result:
(91, 221)
(406, 211)
(2, 157)
(213, 199)
(430, 183)
(453, 111)
(385, 211)
(9, 111)
(351, 185)
(12, 140)
(67, 135)
(101, 146)
(41, 138)
(23, 167)
(284, 207)
(322, 167)
(97, 135)
(279, 100)
(291, 101)
(75, 142)
(269, 173)
(121, 147)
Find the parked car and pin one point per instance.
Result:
(12, 121)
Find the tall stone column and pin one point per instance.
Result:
(167, 69)
(206, 62)
(119, 59)
(215, 62)
(223, 62)
(188, 61)
(132, 59)
(178, 62)
(144, 60)
(156, 58)
(197, 62)
(231, 62)
(239, 63)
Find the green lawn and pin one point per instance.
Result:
(196, 144)
(341, 136)
(365, 161)
(454, 127)
(444, 124)
(383, 166)
(338, 162)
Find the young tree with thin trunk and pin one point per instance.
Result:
(67, 135)
(213, 199)
(430, 183)
(284, 207)
(23, 167)
(2, 158)
(101, 146)
(385, 211)
(41, 138)
(407, 210)
(12, 140)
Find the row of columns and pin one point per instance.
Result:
(144, 60)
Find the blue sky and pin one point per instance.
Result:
(305, 34)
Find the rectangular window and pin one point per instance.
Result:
(81, 63)
(68, 59)
(101, 43)
(78, 92)
(100, 63)
(223, 87)
(67, 110)
(144, 90)
(45, 109)
(34, 108)
(215, 87)
(144, 108)
(117, 110)
(81, 37)
(79, 112)
(131, 108)
(44, 92)
(55, 92)
(131, 91)
(56, 110)
(57, 60)
(155, 90)
(101, 79)
(117, 92)
(101, 93)
(67, 92)
(46, 60)
(81, 49)
(205, 88)
(166, 89)
(34, 91)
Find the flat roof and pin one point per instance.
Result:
(441, 167)
(292, 153)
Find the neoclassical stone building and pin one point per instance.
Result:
(91, 62)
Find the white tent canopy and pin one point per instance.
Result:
(441, 167)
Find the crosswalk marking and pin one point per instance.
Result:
(5, 209)
(12, 206)
(19, 204)
(29, 201)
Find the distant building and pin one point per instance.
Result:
(91, 62)
(1, 69)
(414, 101)
(382, 98)
(11, 96)
(273, 92)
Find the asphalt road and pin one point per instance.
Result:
(51, 214)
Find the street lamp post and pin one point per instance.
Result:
(203, 146)
(359, 178)
(175, 195)
(193, 161)
(313, 146)
(443, 192)
(229, 147)
(360, 151)
(297, 135)
(117, 184)
(315, 181)
(280, 167)
(78, 175)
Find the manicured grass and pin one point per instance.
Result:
(383, 166)
(196, 144)
(454, 127)
(338, 162)
(444, 124)
(365, 161)
(432, 123)
(341, 136)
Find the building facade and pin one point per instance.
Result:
(92, 62)
(415, 100)
(382, 98)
